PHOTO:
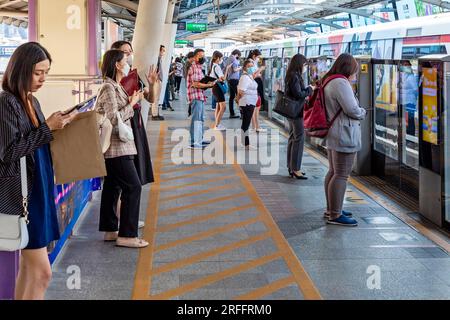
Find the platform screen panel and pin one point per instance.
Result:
(386, 110)
(430, 106)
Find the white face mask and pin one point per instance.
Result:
(126, 69)
(130, 59)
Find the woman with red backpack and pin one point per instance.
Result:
(295, 89)
(343, 140)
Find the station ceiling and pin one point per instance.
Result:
(238, 20)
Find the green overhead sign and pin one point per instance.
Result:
(196, 27)
(181, 42)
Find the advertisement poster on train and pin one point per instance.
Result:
(430, 101)
(386, 87)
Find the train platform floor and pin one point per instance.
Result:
(225, 231)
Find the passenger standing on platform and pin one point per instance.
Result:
(178, 76)
(187, 66)
(143, 159)
(248, 96)
(295, 89)
(217, 73)
(197, 98)
(256, 71)
(233, 75)
(344, 137)
(24, 132)
(121, 170)
(159, 69)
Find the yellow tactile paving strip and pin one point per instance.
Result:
(145, 270)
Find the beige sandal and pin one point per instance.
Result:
(131, 243)
(111, 236)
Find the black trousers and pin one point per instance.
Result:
(121, 175)
(178, 83)
(233, 84)
(247, 115)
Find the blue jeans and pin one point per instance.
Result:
(197, 120)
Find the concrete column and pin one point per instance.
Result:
(147, 39)
(169, 34)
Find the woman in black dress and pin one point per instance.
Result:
(24, 132)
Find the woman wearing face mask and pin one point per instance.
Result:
(247, 96)
(217, 73)
(255, 57)
(121, 170)
(143, 159)
(295, 89)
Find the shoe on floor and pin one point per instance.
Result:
(141, 224)
(234, 117)
(219, 128)
(344, 221)
(157, 118)
(249, 147)
(195, 147)
(111, 236)
(261, 130)
(345, 213)
(131, 243)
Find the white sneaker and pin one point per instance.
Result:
(250, 147)
(220, 128)
(141, 224)
(261, 130)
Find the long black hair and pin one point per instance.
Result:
(295, 66)
(216, 55)
(254, 53)
(18, 77)
(118, 44)
(345, 64)
(109, 69)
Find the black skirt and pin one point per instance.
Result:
(142, 161)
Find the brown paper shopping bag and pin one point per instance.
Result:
(76, 150)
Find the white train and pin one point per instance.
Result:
(404, 39)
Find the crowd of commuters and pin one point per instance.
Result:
(26, 133)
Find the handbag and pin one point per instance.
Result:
(287, 107)
(105, 127)
(125, 132)
(222, 84)
(13, 228)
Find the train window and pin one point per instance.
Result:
(416, 52)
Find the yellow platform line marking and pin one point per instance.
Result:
(202, 282)
(197, 193)
(190, 167)
(207, 234)
(196, 183)
(142, 281)
(201, 256)
(268, 289)
(202, 203)
(202, 218)
(430, 234)
(196, 174)
(304, 282)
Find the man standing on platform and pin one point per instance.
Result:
(233, 75)
(158, 85)
(197, 98)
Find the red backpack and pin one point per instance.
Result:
(315, 114)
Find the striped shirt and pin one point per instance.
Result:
(195, 74)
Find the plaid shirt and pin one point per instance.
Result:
(195, 74)
(112, 98)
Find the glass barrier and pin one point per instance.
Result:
(386, 110)
(409, 100)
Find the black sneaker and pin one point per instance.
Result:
(157, 118)
(234, 117)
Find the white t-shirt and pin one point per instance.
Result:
(250, 88)
(216, 71)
